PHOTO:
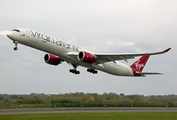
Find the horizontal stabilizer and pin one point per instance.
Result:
(148, 73)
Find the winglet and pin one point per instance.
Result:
(167, 50)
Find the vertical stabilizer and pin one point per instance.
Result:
(140, 64)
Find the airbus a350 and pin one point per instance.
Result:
(59, 51)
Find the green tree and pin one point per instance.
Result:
(84, 98)
(92, 99)
(6, 100)
(13, 96)
(20, 100)
(20, 97)
(136, 102)
(170, 104)
(1, 98)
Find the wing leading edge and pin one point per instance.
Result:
(106, 57)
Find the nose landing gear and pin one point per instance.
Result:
(15, 48)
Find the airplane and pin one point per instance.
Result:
(59, 51)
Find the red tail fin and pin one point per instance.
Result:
(139, 64)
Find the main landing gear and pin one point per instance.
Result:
(15, 48)
(74, 70)
(91, 70)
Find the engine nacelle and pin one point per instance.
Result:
(51, 59)
(86, 57)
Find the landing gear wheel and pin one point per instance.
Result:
(15, 48)
(91, 70)
(71, 70)
(74, 71)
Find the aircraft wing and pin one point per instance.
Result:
(106, 57)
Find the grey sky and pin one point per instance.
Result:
(99, 25)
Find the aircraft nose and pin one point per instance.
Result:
(9, 35)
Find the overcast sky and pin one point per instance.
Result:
(109, 26)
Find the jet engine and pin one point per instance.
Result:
(51, 59)
(86, 57)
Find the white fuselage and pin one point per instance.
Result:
(59, 48)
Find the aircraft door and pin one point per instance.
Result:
(27, 33)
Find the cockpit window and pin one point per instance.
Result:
(16, 30)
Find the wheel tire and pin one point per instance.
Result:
(15, 48)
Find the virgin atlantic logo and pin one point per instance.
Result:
(138, 66)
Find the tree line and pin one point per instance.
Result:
(90, 100)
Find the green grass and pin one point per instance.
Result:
(89, 108)
(94, 116)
